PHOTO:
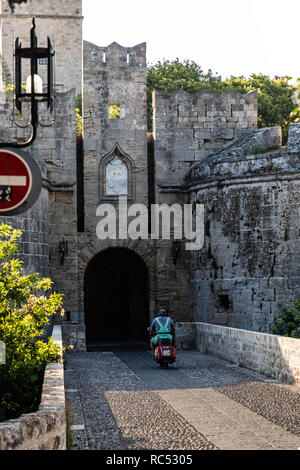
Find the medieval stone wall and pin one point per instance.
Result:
(62, 22)
(206, 149)
(113, 75)
(190, 126)
(187, 128)
(250, 259)
(53, 216)
(116, 75)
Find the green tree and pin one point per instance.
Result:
(25, 310)
(287, 321)
(171, 75)
(78, 114)
(114, 111)
(276, 96)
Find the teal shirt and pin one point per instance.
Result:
(163, 321)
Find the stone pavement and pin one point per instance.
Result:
(125, 401)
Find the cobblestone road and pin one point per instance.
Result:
(122, 400)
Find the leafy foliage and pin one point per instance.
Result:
(78, 102)
(114, 111)
(79, 124)
(169, 76)
(276, 96)
(287, 322)
(78, 114)
(9, 88)
(25, 310)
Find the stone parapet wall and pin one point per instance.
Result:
(234, 159)
(293, 145)
(188, 127)
(46, 428)
(272, 355)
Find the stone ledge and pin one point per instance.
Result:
(44, 429)
(275, 356)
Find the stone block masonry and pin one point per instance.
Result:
(53, 216)
(205, 149)
(46, 428)
(271, 355)
(73, 337)
(114, 75)
(187, 128)
(190, 126)
(62, 22)
(250, 258)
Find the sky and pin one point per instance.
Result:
(230, 37)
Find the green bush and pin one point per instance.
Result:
(25, 310)
(287, 322)
(78, 114)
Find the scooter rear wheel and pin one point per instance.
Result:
(163, 365)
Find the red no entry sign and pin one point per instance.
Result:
(20, 182)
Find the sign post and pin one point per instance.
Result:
(20, 182)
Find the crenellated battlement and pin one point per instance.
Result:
(115, 55)
(188, 127)
(233, 109)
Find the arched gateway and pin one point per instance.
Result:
(116, 297)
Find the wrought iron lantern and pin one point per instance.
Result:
(34, 92)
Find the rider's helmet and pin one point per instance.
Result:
(163, 313)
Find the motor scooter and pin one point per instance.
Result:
(164, 353)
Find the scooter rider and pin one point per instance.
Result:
(161, 327)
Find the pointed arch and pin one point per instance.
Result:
(116, 175)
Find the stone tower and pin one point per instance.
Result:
(55, 146)
(115, 142)
(61, 21)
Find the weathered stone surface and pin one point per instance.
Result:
(53, 216)
(274, 356)
(62, 22)
(188, 127)
(251, 219)
(73, 337)
(293, 145)
(205, 149)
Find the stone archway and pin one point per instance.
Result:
(116, 297)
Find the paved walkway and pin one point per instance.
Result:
(125, 401)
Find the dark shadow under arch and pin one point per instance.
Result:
(116, 301)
